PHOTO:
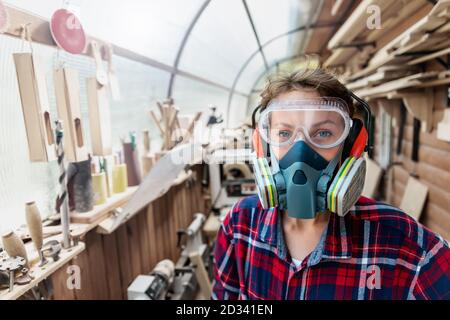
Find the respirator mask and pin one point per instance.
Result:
(302, 181)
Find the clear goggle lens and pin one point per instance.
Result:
(324, 125)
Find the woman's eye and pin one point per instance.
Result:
(284, 134)
(324, 134)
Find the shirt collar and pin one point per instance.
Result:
(335, 243)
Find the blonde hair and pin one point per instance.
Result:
(317, 79)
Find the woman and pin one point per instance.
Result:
(287, 244)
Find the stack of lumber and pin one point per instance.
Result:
(358, 32)
(390, 89)
(412, 46)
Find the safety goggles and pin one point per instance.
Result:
(322, 122)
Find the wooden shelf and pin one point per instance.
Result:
(106, 226)
(42, 273)
(102, 210)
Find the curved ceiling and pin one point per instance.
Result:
(231, 44)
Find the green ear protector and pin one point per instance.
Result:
(342, 190)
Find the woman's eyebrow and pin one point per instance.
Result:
(324, 122)
(283, 124)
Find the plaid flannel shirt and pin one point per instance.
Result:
(375, 252)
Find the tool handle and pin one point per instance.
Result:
(14, 246)
(34, 223)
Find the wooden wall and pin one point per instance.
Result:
(432, 169)
(111, 262)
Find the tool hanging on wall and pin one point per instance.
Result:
(98, 106)
(67, 92)
(67, 31)
(65, 219)
(35, 105)
(100, 73)
(4, 18)
(34, 223)
(112, 76)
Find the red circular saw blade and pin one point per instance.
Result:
(67, 31)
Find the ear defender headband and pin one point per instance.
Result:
(346, 186)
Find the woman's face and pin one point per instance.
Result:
(286, 117)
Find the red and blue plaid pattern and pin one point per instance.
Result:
(375, 252)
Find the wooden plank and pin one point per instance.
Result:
(144, 241)
(186, 207)
(433, 157)
(178, 214)
(443, 127)
(86, 291)
(134, 247)
(171, 212)
(201, 274)
(437, 196)
(154, 242)
(429, 56)
(112, 266)
(59, 280)
(426, 139)
(158, 229)
(165, 221)
(336, 7)
(414, 198)
(124, 258)
(398, 84)
(97, 266)
(435, 227)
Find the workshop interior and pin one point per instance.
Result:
(126, 128)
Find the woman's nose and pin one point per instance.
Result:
(299, 136)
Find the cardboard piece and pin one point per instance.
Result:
(443, 127)
(372, 180)
(414, 198)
